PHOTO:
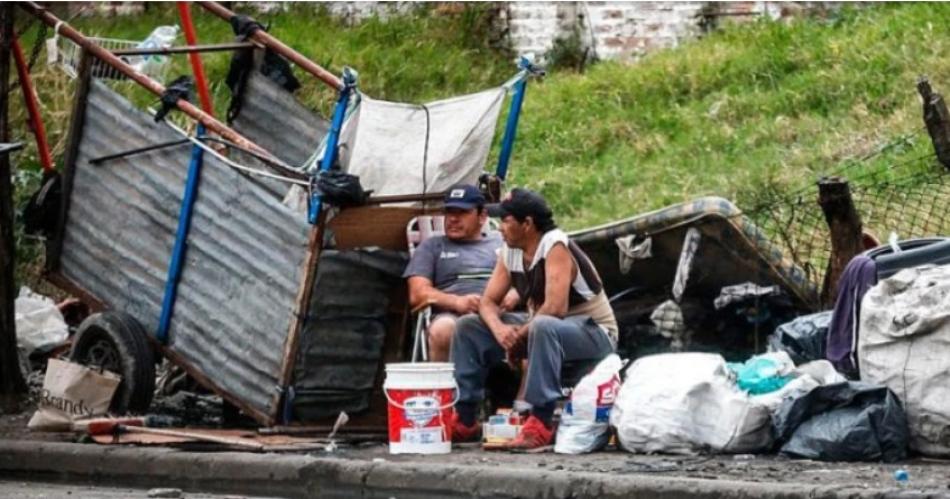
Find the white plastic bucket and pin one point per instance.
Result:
(422, 399)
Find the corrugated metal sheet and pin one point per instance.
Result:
(275, 120)
(342, 340)
(244, 260)
(123, 214)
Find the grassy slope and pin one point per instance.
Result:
(768, 103)
(761, 104)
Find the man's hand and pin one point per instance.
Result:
(519, 350)
(466, 304)
(507, 335)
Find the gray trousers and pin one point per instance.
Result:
(551, 343)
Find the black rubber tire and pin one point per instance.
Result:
(117, 342)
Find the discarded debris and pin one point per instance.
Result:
(165, 493)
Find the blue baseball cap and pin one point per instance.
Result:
(464, 196)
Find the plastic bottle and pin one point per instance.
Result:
(902, 478)
(162, 36)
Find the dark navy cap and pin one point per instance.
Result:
(464, 196)
(522, 203)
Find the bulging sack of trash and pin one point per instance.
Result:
(585, 422)
(72, 392)
(803, 338)
(687, 403)
(904, 344)
(39, 323)
(763, 373)
(848, 421)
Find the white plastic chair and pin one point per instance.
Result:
(418, 230)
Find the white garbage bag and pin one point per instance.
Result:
(39, 323)
(584, 425)
(904, 343)
(685, 403)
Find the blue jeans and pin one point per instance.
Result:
(551, 343)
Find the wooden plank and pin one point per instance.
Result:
(366, 226)
(301, 310)
(54, 246)
(62, 282)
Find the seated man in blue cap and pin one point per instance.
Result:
(569, 319)
(449, 272)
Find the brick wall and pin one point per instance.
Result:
(609, 30)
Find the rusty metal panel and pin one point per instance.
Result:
(274, 119)
(121, 223)
(239, 283)
(242, 268)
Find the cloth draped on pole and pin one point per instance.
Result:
(397, 148)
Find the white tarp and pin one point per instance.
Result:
(385, 143)
(904, 343)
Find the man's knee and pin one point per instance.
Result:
(441, 331)
(468, 324)
(544, 326)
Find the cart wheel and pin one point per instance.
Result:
(116, 342)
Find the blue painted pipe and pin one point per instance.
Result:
(181, 238)
(333, 139)
(511, 127)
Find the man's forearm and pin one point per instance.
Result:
(490, 313)
(434, 297)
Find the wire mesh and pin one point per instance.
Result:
(68, 54)
(905, 199)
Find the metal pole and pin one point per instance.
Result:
(514, 113)
(277, 46)
(151, 85)
(333, 138)
(186, 49)
(33, 109)
(181, 240)
(511, 127)
(184, 11)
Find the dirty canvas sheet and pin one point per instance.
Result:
(386, 143)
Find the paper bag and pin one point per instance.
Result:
(72, 392)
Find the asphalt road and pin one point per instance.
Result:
(41, 490)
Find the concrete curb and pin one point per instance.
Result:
(307, 476)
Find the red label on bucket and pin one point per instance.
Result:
(420, 420)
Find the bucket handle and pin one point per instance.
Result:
(458, 394)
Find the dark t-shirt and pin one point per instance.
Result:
(456, 267)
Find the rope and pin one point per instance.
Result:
(232, 164)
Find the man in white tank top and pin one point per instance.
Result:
(569, 318)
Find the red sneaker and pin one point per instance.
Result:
(533, 434)
(462, 433)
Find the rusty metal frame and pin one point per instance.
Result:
(279, 47)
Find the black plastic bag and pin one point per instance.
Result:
(41, 213)
(848, 421)
(341, 189)
(803, 339)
